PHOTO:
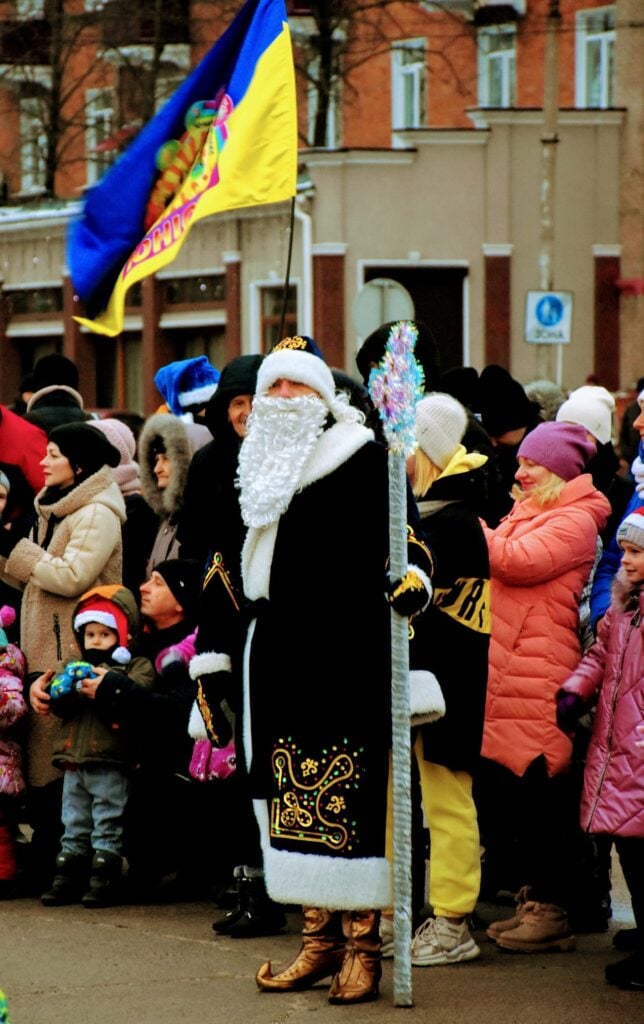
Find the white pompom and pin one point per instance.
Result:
(121, 656)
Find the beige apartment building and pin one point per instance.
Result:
(430, 186)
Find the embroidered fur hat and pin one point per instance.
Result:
(186, 383)
(563, 448)
(440, 425)
(591, 407)
(631, 528)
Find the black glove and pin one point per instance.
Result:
(408, 596)
(8, 541)
(570, 708)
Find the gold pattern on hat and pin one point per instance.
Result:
(290, 343)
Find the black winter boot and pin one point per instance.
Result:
(259, 915)
(70, 880)
(105, 881)
(242, 884)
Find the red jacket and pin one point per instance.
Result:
(22, 445)
(539, 562)
(612, 673)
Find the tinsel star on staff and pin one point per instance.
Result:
(395, 386)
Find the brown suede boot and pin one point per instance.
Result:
(497, 928)
(543, 928)
(358, 978)
(320, 954)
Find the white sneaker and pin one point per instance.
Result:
(386, 938)
(439, 941)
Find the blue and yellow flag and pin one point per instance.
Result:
(226, 139)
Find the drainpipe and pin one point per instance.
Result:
(306, 324)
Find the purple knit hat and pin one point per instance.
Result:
(563, 448)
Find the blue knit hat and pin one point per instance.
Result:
(187, 382)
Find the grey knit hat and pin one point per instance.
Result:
(631, 528)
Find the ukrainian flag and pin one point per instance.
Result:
(226, 139)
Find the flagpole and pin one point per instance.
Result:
(288, 270)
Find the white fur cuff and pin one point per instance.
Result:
(426, 701)
(425, 581)
(207, 662)
(196, 725)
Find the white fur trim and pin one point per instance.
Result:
(257, 557)
(104, 618)
(196, 725)
(197, 395)
(426, 701)
(313, 880)
(426, 583)
(246, 727)
(121, 656)
(209, 661)
(303, 367)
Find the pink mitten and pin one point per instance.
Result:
(199, 761)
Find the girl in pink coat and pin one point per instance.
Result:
(612, 676)
(540, 557)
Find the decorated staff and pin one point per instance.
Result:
(395, 387)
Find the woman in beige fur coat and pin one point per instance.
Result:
(75, 545)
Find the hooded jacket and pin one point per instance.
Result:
(539, 562)
(83, 550)
(54, 405)
(180, 440)
(85, 735)
(612, 675)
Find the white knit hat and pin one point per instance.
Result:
(591, 407)
(440, 425)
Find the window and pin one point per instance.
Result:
(332, 128)
(595, 64)
(496, 65)
(408, 84)
(101, 148)
(272, 300)
(30, 9)
(33, 147)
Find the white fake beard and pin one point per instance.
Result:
(282, 433)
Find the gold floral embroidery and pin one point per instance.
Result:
(300, 809)
(289, 343)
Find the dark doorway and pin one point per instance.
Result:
(438, 300)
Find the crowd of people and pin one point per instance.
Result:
(195, 657)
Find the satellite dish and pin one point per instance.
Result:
(378, 302)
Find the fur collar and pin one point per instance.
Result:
(99, 487)
(625, 596)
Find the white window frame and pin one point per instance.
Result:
(402, 72)
(586, 36)
(33, 146)
(332, 140)
(99, 110)
(504, 59)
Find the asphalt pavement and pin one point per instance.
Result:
(164, 965)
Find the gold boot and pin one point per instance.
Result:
(358, 978)
(319, 957)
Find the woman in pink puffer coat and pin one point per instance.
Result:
(540, 557)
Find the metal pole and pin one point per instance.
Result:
(287, 276)
(549, 140)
